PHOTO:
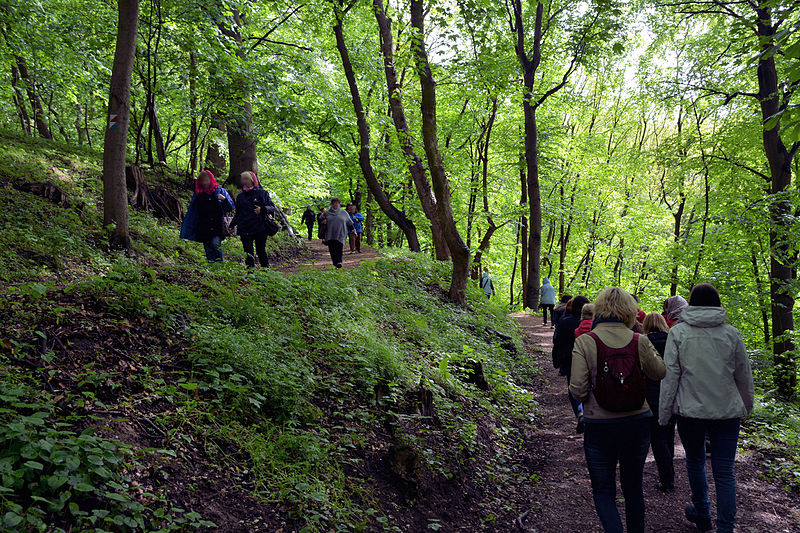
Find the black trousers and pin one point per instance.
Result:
(335, 249)
(310, 230)
(260, 240)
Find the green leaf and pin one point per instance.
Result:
(188, 386)
(33, 465)
(11, 519)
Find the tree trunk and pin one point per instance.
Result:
(369, 223)
(441, 187)
(364, 158)
(529, 68)
(115, 197)
(19, 101)
(161, 151)
(523, 201)
(780, 165)
(415, 165)
(193, 131)
(33, 96)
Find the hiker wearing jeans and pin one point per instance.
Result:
(616, 417)
(203, 221)
(709, 387)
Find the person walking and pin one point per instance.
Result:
(358, 228)
(321, 224)
(204, 217)
(563, 344)
(337, 226)
(709, 387)
(673, 307)
(308, 220)
(662, 438)
(615, 411)
(547, 300)
(587, 317)
(560, 309)
(252, 205)
(486, 284)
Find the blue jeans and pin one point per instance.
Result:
(724, 435)
(606, 444)
(213, 253)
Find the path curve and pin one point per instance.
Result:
(562, 501)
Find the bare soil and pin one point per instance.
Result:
(562, 502)
(318, 258)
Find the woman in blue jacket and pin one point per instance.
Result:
(204, 218)
(252, 205)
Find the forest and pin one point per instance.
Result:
(646, 145)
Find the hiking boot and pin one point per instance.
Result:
(665, 487)
(703, 523)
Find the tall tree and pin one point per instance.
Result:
(459, 252)
(364, 159)
(115, 194)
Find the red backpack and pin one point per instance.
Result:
(619, 383)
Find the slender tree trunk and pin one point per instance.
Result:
(523, 202)
(676, 238)
(415, 165)
(441, 187)
(79, 121)
(369, 223)
(33, 96)
(760, 295)
(780, 240)
(193, 131)
(364, 159)
(115, 196)
(19, 101)
(514, 268)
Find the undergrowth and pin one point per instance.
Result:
(286, 384)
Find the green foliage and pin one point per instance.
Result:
(772, 432)
(51, 476)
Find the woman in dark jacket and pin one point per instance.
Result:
(560, 309)
(564, 341)
(252, 205)
(662, 438)
(203, 221)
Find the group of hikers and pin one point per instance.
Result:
(633, 376)
(208, 220)
(336, 227)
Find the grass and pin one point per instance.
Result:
(268, 376)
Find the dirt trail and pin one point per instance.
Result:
(318, 258)
(562, 502)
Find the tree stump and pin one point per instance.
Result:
(47, 190)
(161, 202)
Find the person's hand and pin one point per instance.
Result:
(220, 197)
(257, 210)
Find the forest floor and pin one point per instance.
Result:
(563, 499)
(318, 257)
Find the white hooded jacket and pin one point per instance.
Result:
(708, 371)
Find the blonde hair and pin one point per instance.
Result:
(614, 302)
(249, 175)
(654, 322)
(587, 311)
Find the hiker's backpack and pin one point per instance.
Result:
(619, 383)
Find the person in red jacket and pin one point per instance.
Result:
(587, 315)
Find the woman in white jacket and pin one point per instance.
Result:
(709, 386)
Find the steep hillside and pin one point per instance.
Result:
(159, 392)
